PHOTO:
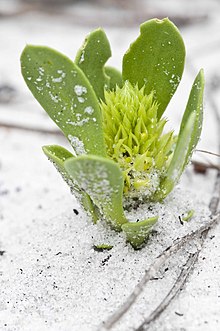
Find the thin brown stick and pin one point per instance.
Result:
(153, 269)
(207, 152)
(11, 126)
(185, 271)
(184, 274)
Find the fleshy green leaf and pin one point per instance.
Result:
(115, 77)
(102, 179)
(91, 59)
(189, 134)
(58, 155)
(194, 105)
(177, 163)
(156, 59)
(137, 233)
(67, 96)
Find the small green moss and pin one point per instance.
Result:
(188, 215)
(102, 247)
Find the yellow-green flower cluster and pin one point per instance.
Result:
(134, 138)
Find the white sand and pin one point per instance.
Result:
(51, 277)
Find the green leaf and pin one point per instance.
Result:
(189, 134)
(137, 233)
(67, 96)
(58, 155)
(156, 59)
(115, 77)
(194, 105)
(102, 247)
(177, 163)
(188, 215)
(102, 179)
(92, 57)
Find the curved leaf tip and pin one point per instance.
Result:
(156, 59)
(91, 59)
(138, 232)
(67, 96)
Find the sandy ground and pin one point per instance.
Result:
(51, 277)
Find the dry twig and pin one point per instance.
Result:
(154, 268)
(172, 293)
(19, 127)
(207, 152)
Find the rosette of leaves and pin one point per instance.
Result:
(114, 121)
